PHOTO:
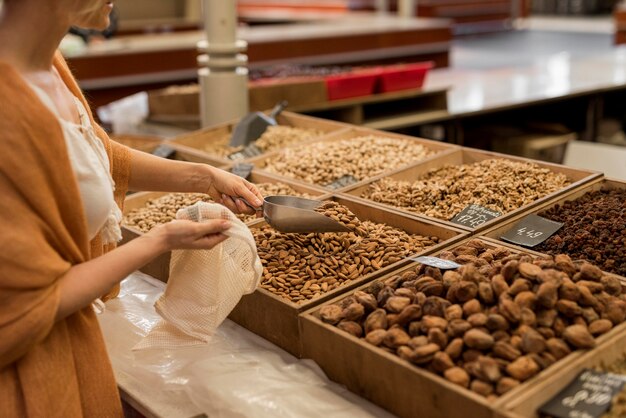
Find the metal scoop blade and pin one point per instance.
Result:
(292, 214)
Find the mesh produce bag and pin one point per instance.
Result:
(204, 285)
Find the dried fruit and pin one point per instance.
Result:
(458, 376)
(351, 327)
(523, 368)
(376, 320)
(579, 336)
(478, 339)
(331, 314)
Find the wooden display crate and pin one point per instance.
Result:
(496, 231)
(440, 148)
(276, 319)
(160, 267)
(577, 177)
(195, 142)
(397, 385)
(527, 401)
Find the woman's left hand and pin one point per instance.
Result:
(228, 189)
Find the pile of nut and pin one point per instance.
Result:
(497, 184)
(301, 267)
(490, 325)
(341, 214)
(594, 230)
(618, 406)
(274, 138)
(362, 157)
(163, 209)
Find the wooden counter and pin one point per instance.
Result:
(125, 65)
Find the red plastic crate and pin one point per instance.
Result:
(404, 76)
(353, 84)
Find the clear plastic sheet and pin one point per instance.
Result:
(237, 374)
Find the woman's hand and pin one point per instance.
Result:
(189, 235)
(227, 189)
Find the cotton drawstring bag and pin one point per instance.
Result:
(204, 285)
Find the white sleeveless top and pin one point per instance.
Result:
(90, 163)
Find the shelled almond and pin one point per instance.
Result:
(490, 325)
(325, 162)
(301, 267)
(163, 209)
(498, 184)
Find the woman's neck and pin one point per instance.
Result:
(29, 35)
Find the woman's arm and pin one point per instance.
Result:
(152, 173)
(85, 282)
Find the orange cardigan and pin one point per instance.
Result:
(47, 368)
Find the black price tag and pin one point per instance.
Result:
(248, 152)
(438, 263)
(343, 181)
(588, 396)
(474, 216)
(164, 151)
(531, 231)
(242, 169)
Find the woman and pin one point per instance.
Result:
(59, 175)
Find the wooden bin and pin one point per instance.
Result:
(160, 267)
(440, 148)
(527, 401)
(276, 319)
(496, 231)
(577, 177)
(195, 142)
(395, 384)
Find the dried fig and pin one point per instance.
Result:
(526, 299)
(499, 285)
(376, 337)
(376, 320)
(454, 312)
(548, 294)
(579, 336)
(510, 310)
(437, 336)
(590, 272)
(612, 285)
(395, 304)
(367, 300)
(424, 354)
(568, 308)
(485, 293)
(351, 327)
(496, 322)
(396, 337)
(506, 384)
(458, 376)
(417, 342)
(458, 327)
(482, 388)
(442, 362)
(506, 351)
(523, 368)
(545, 318)
(331, 314)
(532, 341)
(509, 270)
(455, 348)
(600, 326)
(519, 285)
(429, 322)
(354, 312)
(528, 317)
(569, 291)
(529, 270)
(409, 313)
(477, 339)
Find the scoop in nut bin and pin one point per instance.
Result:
(296, 215)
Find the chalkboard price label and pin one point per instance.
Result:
(474, 216)
(248, 152)
(588, 396)
(531, 231)
(242, 170)
(164, 151)
(343, 181)
(438, 263)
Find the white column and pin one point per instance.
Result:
(222, 74)
(382, 7)
(406, 8)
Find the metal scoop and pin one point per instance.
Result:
(297, 215)
(253, 125)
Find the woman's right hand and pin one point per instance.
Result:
(189, 235)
